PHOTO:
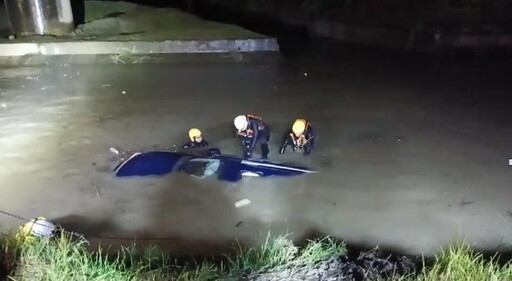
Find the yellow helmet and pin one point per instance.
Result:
(299, 126)
(194, 133)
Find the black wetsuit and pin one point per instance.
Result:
(256, 132)
(305, 141)
(195, 144)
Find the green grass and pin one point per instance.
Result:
(461, 262)
(279, 253)
(68, 259)
(274, 255)
(317, 251)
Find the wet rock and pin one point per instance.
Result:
(405, 265)
(368, 266)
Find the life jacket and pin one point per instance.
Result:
(299, 141)
(249, 132)
(261, 124)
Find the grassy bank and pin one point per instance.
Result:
(67, 259)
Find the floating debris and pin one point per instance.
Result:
(243, 202)
(36, 78)
(47, 87)
(465, 203)
(98, 194)
(114, 150)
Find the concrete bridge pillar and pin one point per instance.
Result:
(40, 17)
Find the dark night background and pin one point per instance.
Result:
(411, 25)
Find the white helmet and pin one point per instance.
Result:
(42, 228)
(240, 122)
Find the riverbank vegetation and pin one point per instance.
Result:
(277, 259)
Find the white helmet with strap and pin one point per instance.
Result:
(240, 122)
(39, 227)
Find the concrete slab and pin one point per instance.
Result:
(124, 28)
(140, 47)
(123, 21)
(19, 49)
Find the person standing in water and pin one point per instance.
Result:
(196, 139)
(301, 136)
(253, 130)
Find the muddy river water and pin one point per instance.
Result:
(410, 155)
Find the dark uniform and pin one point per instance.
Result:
(256, 132)
(195, 144)
(305, 141)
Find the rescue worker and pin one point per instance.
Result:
(301, 136)
(196, 139)
(253, 130)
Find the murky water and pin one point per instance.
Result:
(409, 156)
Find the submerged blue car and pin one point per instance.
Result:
(202, 164)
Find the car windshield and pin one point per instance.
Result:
(201, 167)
